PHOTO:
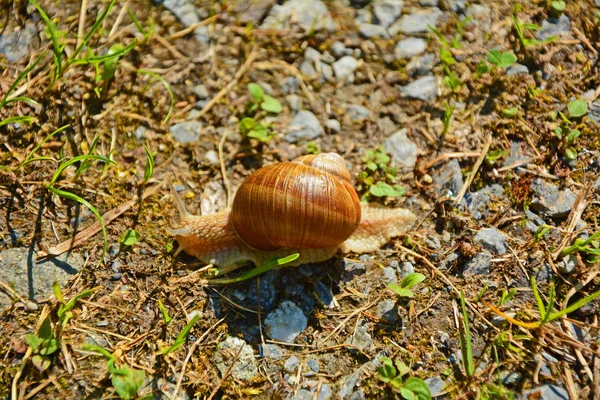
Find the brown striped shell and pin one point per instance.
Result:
(307, 203)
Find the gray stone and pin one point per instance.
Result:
(547, 392)
(313, 365)
(289, 85)
(407, 268)
(309, 393)
(244, 368)
(417, 22)
(458, 6)
(433, 242)
(186, 132)
(271, 351)
(390, 275)
(339, 49)
(31, 278)
(554, 27)
(436, 386)
(189, 14)
(370, 31)
(402, 150)
(347, 388)
(294, 101)
(15, 45)
(386, 126)
(480, 15)
(386, 11)
(517, 69)
(312, 54)
(325, 295)
(201, 92)
(448, 180)
(333, 125)
(212, 157)
(357, 113)
(550, 200)
(388, 311)
(252, 11)
(291, 364)
(327, 72)
(304, 126)
(419, 66)
(308, 14)
(478, 202)
(479, 265)
(361, 338)
(285, 323)
(594, 112)
(409, 47)
(424, 88)
(511, 378)
(428, 3)
(568, 264)
(267, 295)
(140, 132)
(517, 155)
(364, 15)
(492, 239)
(344, 69)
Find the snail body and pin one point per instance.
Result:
(306, 206)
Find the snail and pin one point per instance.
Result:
(306, 206)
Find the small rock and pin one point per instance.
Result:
(15, 45)
(386, 11)
(433, 242)
(271, 351)
(517, 69)
(424, 88)
(388, 311)
(436, 385)
(420, 66)
(389, 275)
(291, 364)
(339, 49)
(554, 27)
(407, 268)
(294, 101)
(308, 14)
(304, 126)
(189, 15)
(325, 295)
(357, 113)
(479, 265)
(448, 180)
(386, 126)
(201, 92)
(244, 368)
(212, 157)
(458, 6)
(333, 125)
(511, 378)
(547, 392)
(480, 15)
(268, 294)
(327, 72)
(409, 47)
(140, 132)
(428, 3)
(402, 150)
(289, 85)
(361, 338)
(370, 31)
(186, 132)
(568, 264)
(492, 239)
(550, 200)
(344, 69)
(479, 202)
(517, 155)
(252, 11)
(313, 365)
(286, 322)
(417, 22)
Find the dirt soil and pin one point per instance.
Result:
(499, 162)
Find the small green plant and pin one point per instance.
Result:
(506, 296)
(260, 104)
(501, 59)
(166, 317)
(575, 109)
(130, 237)
(451, 80)
(64, 313)
(447, 120)
(445, 54)
(313, 148)
(379, 178)
(589, 248)
(510, 112)
(521, 28)
(181, 338)
(149, 169)
(408, 282)
(559, 5)
(43, 344)
(273, 263)
(410, 388)
(5, 100)
(125, 380)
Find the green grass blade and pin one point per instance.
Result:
(22, 98)
(181, 337)
(106, 57)
(39, 146)
(167, 86)
(91, 32)
(100, 350)
(53, 32)
(550, 303)
(538, 298)
(137, 23)
(269, 265)
(74, 160)
(149, 170)
(578, 304)
(72, 196)
(18, 119)
(465, 340)
(21, 76)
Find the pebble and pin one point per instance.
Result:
(212, 158)
(139, 132)
(271, 351)
(424, 88)
(389, 275)
(479, 265)
(357, 112)
(547, 392)
(492, 239)
(201, 92)
(448, 180)
(370, 31)
(458, 6)
(189, 14)
(313, 365)
(304, 126)
(479, 202)
(417, 22)
(291, 364)
(186, 132)
(549, 200)
(554, 27)
(361, 338)
(407, 268)
(268, 294)
(15, 45)
(409, 47)
(386, 11)
(285, 323)
(333, 125)
(289, 85)
(325, 295)
(429, 3)
(252, 11)
(402, 150)
(517, 69)
(419, 66)
(244, 368)
(568, 264)
(436, 386)
(344, 69)
(480, 15)
(308, 14)
(339, 49)
(388, 311)
(33, 279)
(294, 101)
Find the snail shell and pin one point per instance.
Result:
(308, 203)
